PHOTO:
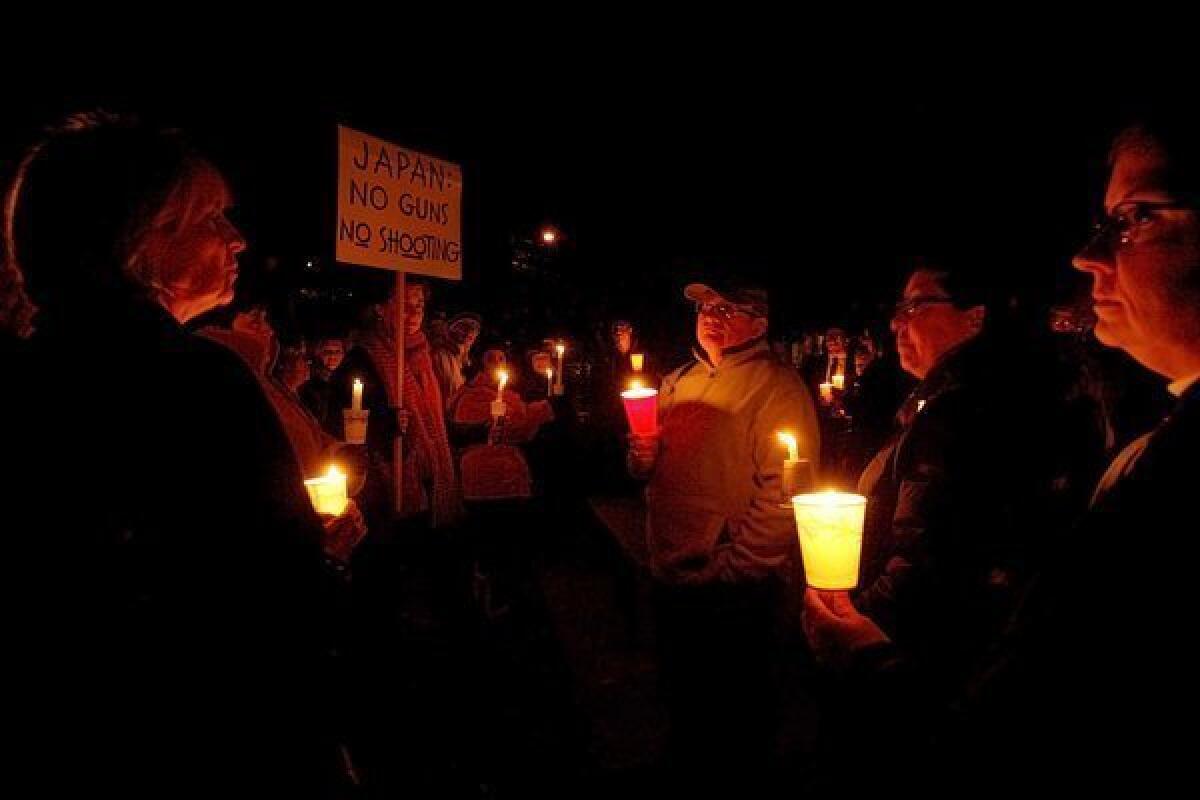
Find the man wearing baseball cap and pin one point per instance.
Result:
(718, 533)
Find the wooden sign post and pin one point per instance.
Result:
(398, 210)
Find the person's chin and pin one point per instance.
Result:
(1107, 333)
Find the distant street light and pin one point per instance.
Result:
(549, 236)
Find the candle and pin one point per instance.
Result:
(328, 493)
(839, 381)
(830, 527)
(827, 393)
(790, 442)
(560, 348)
(549, 380)
(790, 465)
(356, 401)
(637, 361)
(498, 408)
(641, 408)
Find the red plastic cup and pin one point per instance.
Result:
(641, 409)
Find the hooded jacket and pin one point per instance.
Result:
(715, 510)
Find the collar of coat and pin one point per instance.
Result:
(733, 356)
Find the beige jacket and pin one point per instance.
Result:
(714, 498)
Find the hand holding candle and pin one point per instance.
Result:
(830, 527)
(834, 627)
(344, 532)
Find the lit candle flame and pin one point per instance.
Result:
(560, 348)
(790, 441)
(635, 384)
(501, 378)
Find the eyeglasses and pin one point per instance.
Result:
(725, 311)
(905, 311)
(1119, 230)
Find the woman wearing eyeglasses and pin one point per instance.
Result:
(971, 486)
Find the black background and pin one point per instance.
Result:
(820, 189)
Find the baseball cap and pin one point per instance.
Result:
(751, 300)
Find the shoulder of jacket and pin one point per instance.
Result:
(674, 375)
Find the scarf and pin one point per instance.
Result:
(427, 458)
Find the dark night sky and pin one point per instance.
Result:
(819, 195)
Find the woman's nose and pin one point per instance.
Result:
(237, 242)
(1095, 258)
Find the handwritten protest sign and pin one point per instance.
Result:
(397, 209)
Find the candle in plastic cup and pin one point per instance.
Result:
(830, 526)
(328, 493)
(354, 425)
(641, 408)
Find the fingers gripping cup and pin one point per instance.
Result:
(830, 526)
(354, 425)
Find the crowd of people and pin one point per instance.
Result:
(188, 622)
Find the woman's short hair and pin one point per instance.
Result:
(82, 200)
(967, 284)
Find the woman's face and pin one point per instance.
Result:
(414, 309)
(192, 249)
